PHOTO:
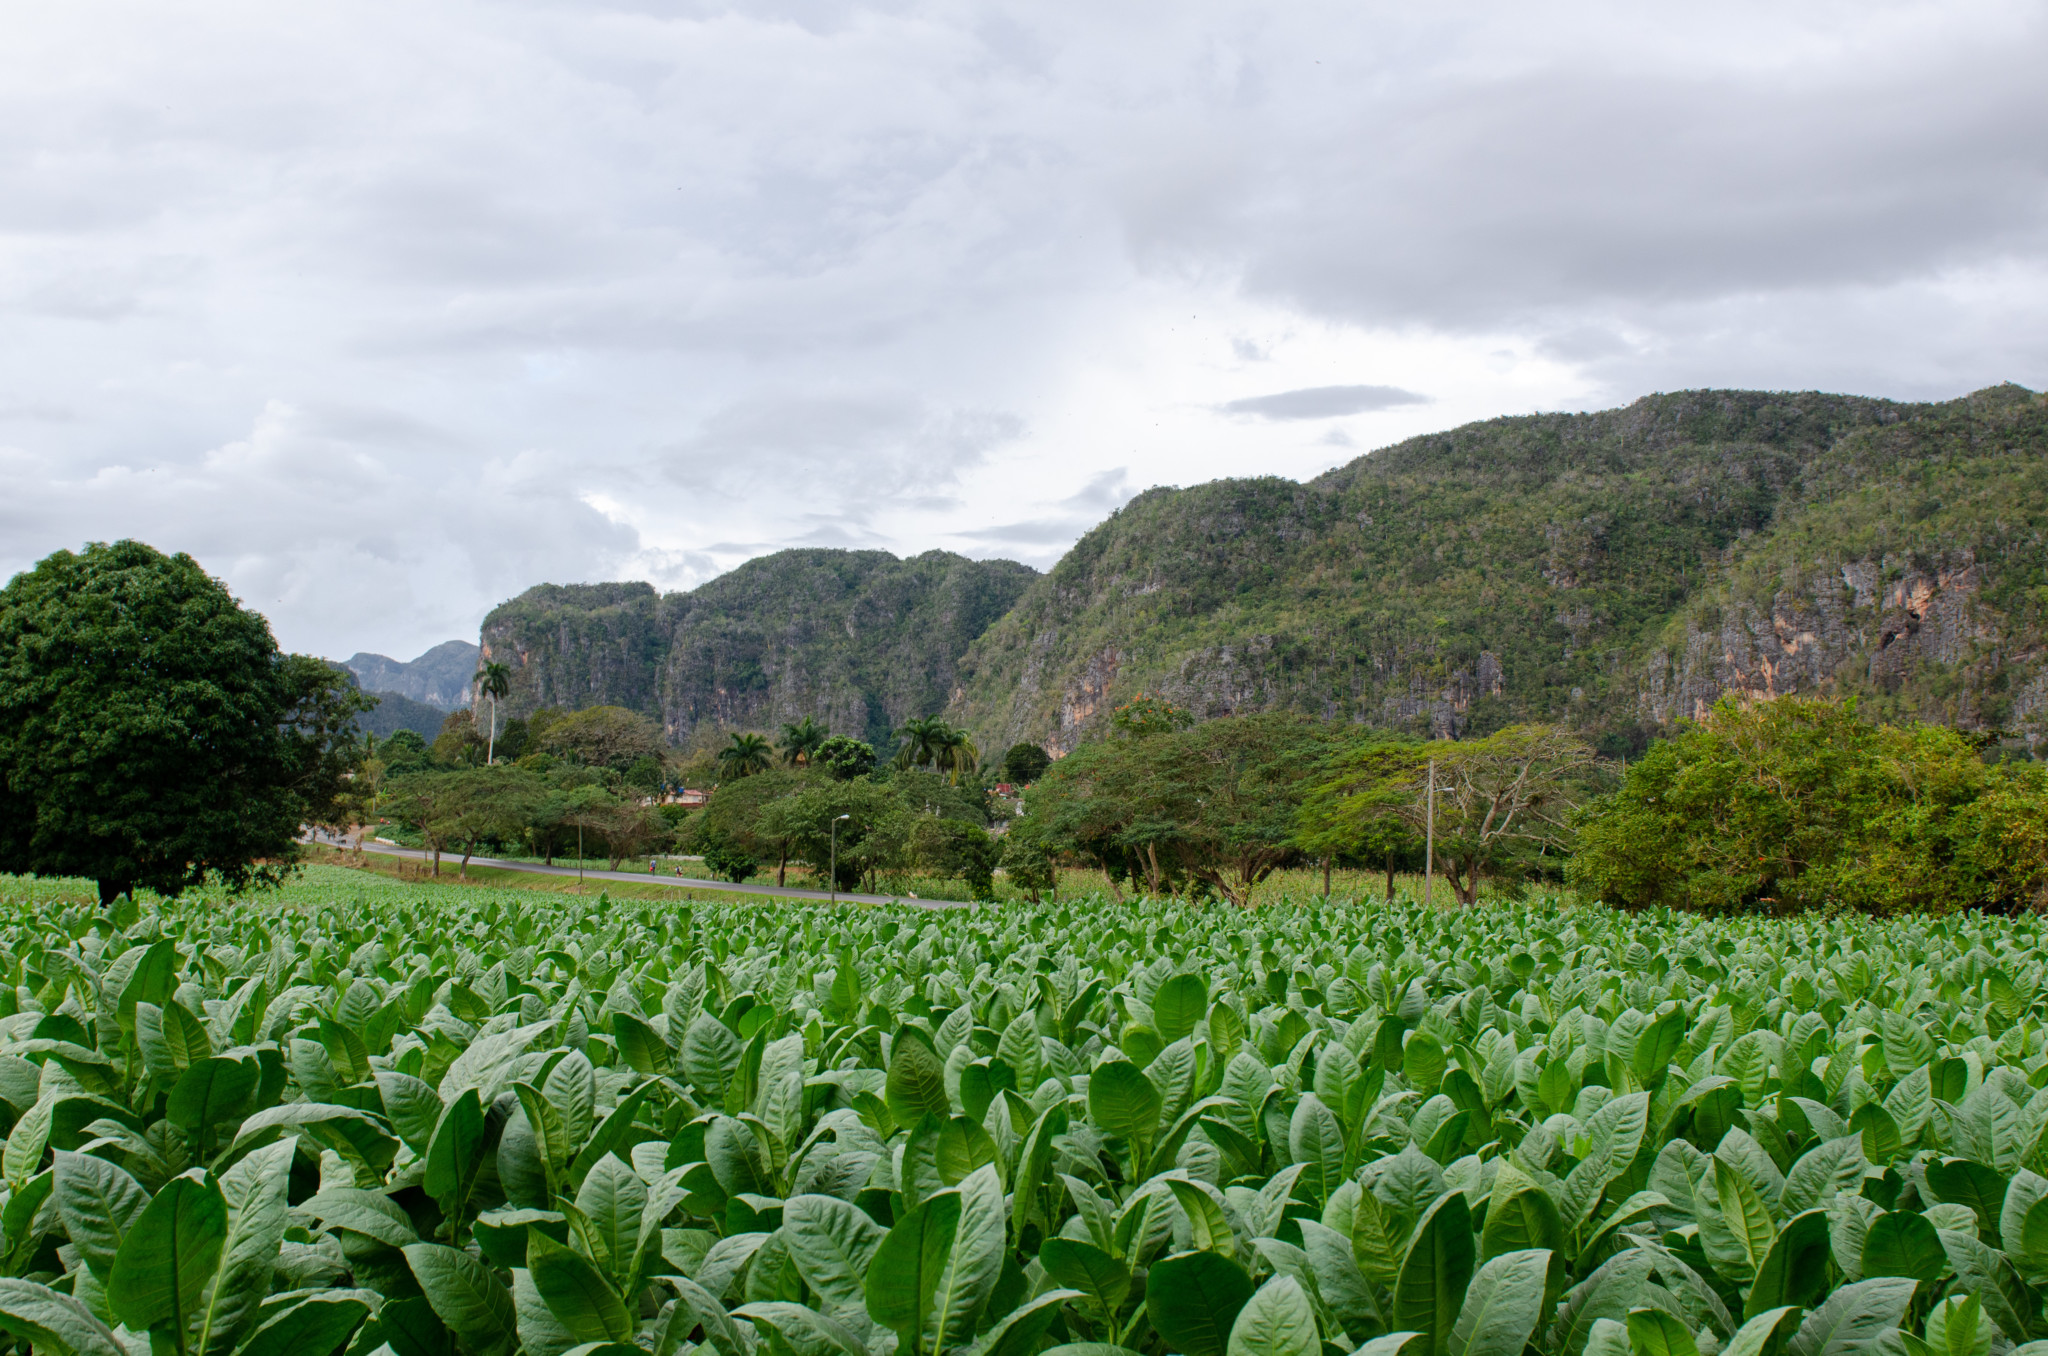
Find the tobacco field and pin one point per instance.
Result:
(379, 1120)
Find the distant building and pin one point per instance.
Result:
(685, 797)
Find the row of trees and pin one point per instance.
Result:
(922, 742)
(890, 821)
(547, 814)
(562, 780)
(1173, 807)
(590, 778)
(1783, 805)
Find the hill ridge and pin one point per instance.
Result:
(1616, 569)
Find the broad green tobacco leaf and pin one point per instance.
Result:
(1276, 1321)
(1193, 1300)
(1503, 1305)
(52, 1322)
(1430, 1290)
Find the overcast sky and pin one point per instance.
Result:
(389, 310)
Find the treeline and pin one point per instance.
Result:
(587, 781)
(1775, 806)
(829, 805)
(601, 781)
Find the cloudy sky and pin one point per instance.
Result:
(388, 310)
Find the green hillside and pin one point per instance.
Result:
(858, 639)
(1613, 569)
(1617, 570)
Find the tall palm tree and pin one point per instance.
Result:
(493, 680)
(928, 740)
(801, 740)
(746, 755)
(924, 739)
(958, 756)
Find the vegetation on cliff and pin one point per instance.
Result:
(1616, 571)
(1548, 566)
(859, 641)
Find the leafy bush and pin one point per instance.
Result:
(726, 859)
(845, 757)
(361, 1117)
(1798, 804)
(1025, 764)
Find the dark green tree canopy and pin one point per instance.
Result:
(1796, 804)
(1025, 763)
(151, 733)
(599, 736)
(845, 757)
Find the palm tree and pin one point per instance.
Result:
(493, 680)
(924, 739)
(801, 740)
(929, 740)
(958, 756)
(746, 755)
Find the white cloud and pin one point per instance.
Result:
(389, 311)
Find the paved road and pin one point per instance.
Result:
(644, 878)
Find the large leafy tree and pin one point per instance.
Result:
(1501, 802)
(845, 757)
(735, 819)
(1334, 826)
(458, 744)
(1797, 803)
(599, 736)
(1025, 763)
(874, 836)
(151, 733)
(1213, 806)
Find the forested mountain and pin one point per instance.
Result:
(1617, 570)
(858, 639)
(439, 678)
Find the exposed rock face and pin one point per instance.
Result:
(439, 678)
(858, 640)
(1617, 571)
(1867, 625)
(579, 645)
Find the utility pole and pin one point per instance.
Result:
(1429, 839)
(835, 857)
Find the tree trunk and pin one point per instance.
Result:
(1390, 878)
(468, 850)
(1326, 878)
(1464, 884)
(781, 866)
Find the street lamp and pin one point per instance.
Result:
(835, 857)
(1429, 841)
